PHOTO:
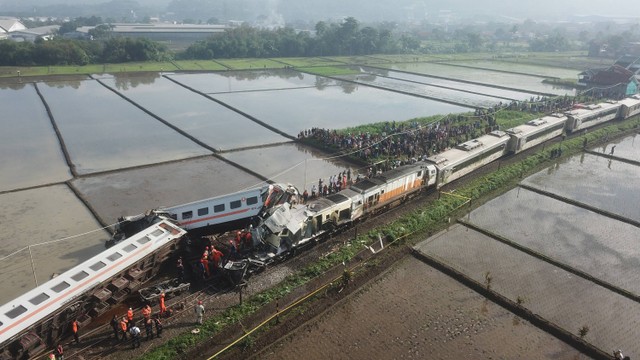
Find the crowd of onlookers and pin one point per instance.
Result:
(413, 140)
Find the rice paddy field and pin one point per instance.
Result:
(113, 140)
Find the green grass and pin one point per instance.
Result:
(566, 59)
(329, 70)
(308, 62)
(199, 65)
(249, 64)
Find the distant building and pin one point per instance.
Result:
(616, 81)
(8, 24)
(176, 36)
(31, 35)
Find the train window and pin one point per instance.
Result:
(129, 248)
(174, 216)
(61, 286)
(187, 215)
(252, 200)
(15, 312)
(144, 240)
(79, 276)
(235, 204)
(97, 266)
(157, 233)
(218, 208)
(203, 211)
(114, 256)
(419, 173)
(39, 299)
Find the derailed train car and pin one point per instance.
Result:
(215, 214)
(41, 317)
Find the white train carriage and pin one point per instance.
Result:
(466, 157)
(42, 315)
(225, 209)
(591, 115)
(535, 132)
(630, 106)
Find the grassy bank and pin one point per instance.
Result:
(568, 59)
(411, 228)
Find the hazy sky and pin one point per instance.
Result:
(417, 9)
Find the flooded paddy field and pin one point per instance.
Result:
(416, 312)
(489, 77)
(558, 296)
(40, 218)
(437, 93)
(291, 163)
(27, 133)
(235, 81)
(104, 132)
(135, 191)
(537, 70)
(602, 247)
(457, 85)
(627, 148)
(593, 180)
(572, 266)
(211, 123)
(333, 107)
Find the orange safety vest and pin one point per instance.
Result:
(74, 326)
(162, 307)
(130, 314)
(123, 325)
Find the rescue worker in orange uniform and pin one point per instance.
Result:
(163, 308)
(205, 263)
(130, 315)
(124, 325)
(217, 256)
(74, 329)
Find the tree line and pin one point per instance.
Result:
(346, 38)
(80, 52)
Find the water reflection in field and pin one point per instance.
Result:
(455, 96)
(202, 118)
(423, 79)
(290, 163)
(595, 244)
(31, 153)
(593, 180)
(333, 107)
(567, 300)
(627, 148)
(43, 216)
(138, 190)
(515, 81)
(520, 67)
(104, 132)
(233, 81)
